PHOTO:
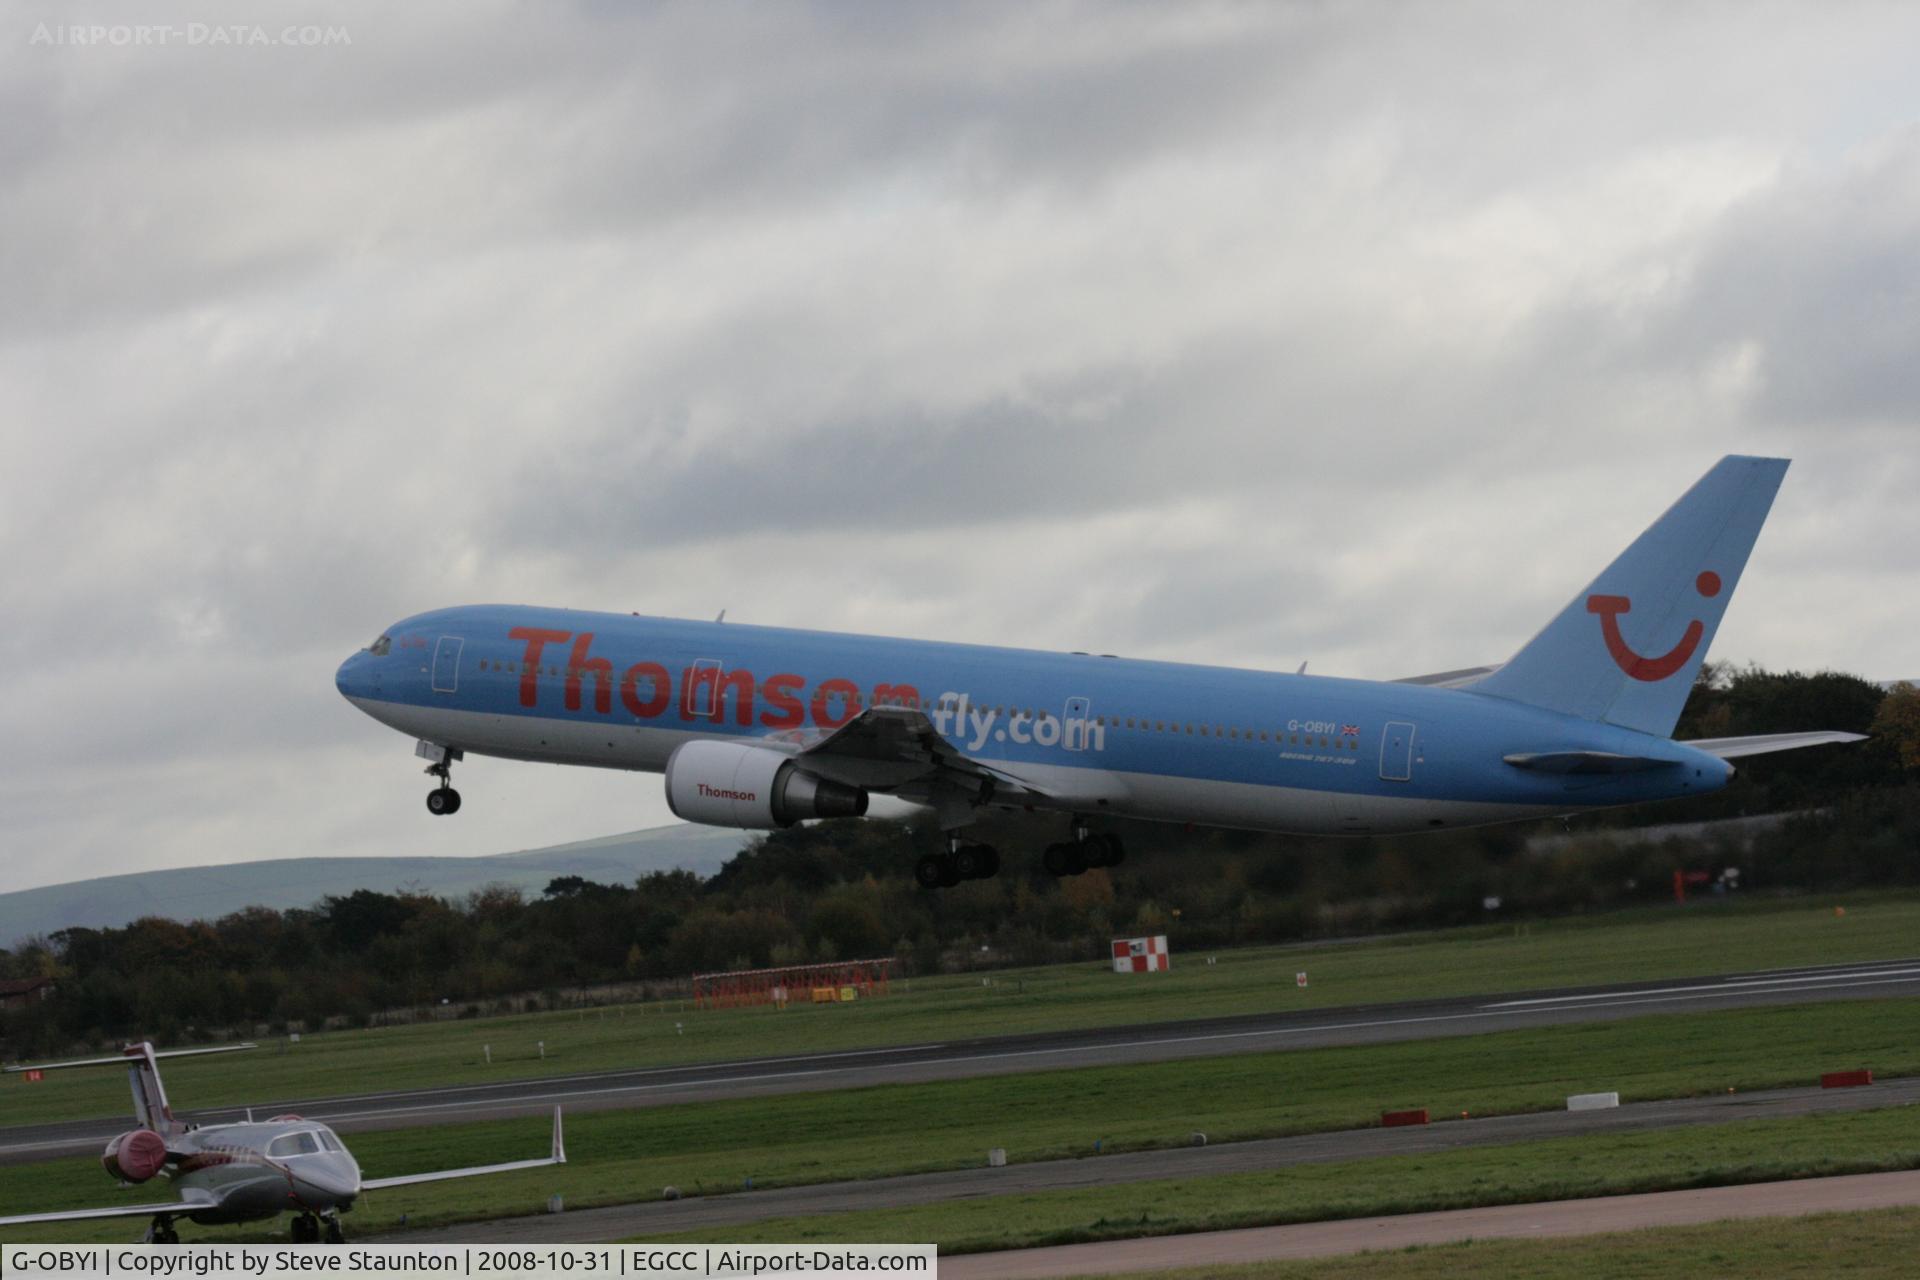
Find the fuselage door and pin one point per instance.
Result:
(702, 697)
(1396, 751)
(1076, 723)
(446, 664)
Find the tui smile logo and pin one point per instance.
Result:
(1643, 668)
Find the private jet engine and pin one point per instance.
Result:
(731, 784)
(135, 1155)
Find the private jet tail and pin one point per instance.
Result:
(141, 1060)
(1627, 648)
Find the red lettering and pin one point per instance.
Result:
(599, 668)
(740, 681)
(898, 695)
(656, 701)
(692, 681)
(791, 713)
(823, 699)
(537, 638)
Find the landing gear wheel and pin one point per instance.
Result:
(442, 801)
(1104, 850)
(976, 861)
(306, 1229)
(334, 1234)
(162, 1232)
(1067, 859)
(935, 871)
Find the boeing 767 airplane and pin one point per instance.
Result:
(762, 727)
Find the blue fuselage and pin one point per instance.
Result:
(1155, 740)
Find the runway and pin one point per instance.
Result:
(1109, 1046)
(659, 1217)
(1556, 1218)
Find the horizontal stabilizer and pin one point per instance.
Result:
(1585, 762)
(121, 1060)
(1457, 679)
(1761, 743)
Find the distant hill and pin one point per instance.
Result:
(207, 893)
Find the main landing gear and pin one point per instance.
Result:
(978, 861)
(161, 1231)
(1085, 851)
(443, 799)
(960, 862)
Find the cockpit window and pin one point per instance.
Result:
(381, 647)
(293, 1144)
(330, 1142)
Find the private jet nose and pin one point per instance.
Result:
(328, 1179)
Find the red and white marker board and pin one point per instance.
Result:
(1141, 955)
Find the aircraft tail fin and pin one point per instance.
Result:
(1627, 648)
(141, 1060)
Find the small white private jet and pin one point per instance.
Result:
(230, 1173)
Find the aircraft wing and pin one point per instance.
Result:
(1761, 743)
(889, 748)
(118, 1211)
(1451, 679)
(558, 1156)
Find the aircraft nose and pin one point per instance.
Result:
(353, 679)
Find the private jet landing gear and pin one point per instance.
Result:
(960, 862)
(161, 1231)
(1085, 850)
(308, 1229)
(443, 799)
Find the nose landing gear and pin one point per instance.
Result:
(443, 799)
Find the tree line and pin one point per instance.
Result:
(844, 890)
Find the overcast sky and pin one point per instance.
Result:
(1251, 334)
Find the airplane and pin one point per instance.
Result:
(246, 1172)
(761, 727)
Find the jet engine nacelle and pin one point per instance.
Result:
(733, 784)
(135, 1155)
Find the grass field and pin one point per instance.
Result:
(621, 1156)
(1876, 1245)
(1649, 944)
(1558, 1169)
